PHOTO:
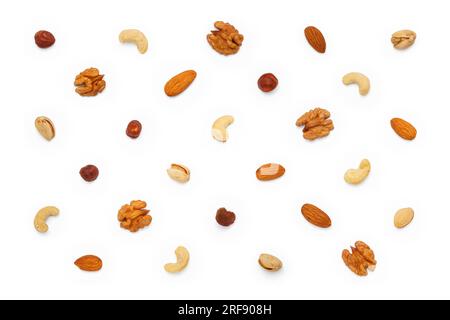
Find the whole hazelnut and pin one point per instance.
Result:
(134, 129)
(89, 173)
(44, 39)
(267, 82)
(224, 217)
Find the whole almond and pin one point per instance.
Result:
(315, 39)
(89, 263)
(403, 217)
(179, 83)
(270, 171)
(45, 127)
(403, 128)
(315, 216)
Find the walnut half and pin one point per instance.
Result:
(89, 82)
(226, 40)
(360, 259)
(316, 123)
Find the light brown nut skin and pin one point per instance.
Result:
(226, 40)
(315, 216)
(316, 39)
(403, 39)
(179, 83)
(270, 262)
(270, 171)
(133, 216)
(89, 82)
(45, 127)
(403, 128)
(361, 259)
(179, 173)
(89, 263)
(316, 123)
(403, 217)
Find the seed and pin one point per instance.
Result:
(224, 217)
(134, 129)
(267, 82)
(89, 173)
(269, 262)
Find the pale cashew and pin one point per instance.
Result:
(355, 176)
(182, 260)
(135, 36)
(219, 128)
(41, 217)
(361, 80)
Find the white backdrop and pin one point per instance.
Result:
(411, 84)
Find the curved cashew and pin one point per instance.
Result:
(135, 36)
(219, 128)
(182, 261)
(355, 176)
(361, 80)
(41, 217)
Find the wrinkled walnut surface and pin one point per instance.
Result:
(226, 40)
(360, 259)
(316, 123)
(89, 82)
(133, 216)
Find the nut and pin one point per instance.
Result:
(316, 122)
(89, 263)
(45, 127)
(133, 216)
(182, 260)
(89, 82)
(44, 39)
(219, 128)
(403, 39)
(134, 129)
(226, 40)
(89, 173)
(41, 217)
(361, 80)
(403, 128)
(267, 82)
(224, 217)
(135, 36)
(179, 83)
(179, 173)
(403, 217)
(355, 176)
(315, 216)
(269, 262)
(315, 39)
(270, 171)
(360, 260)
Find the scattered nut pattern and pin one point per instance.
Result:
(89, 263)
(360, 259)
(179, 83)
(270, 171)
(358, 78)
(403, 217)
(403, 128)
(182, 255)
(40, 220)
(219, 128)
(134, 129)
(89, 82)
(45, 127)
(135, 36)
(316, 39)
(224, 217)
(133, 216)
(355, 176)
(267, 82)
(315, 216)
(269, 262)
(44, 39)
(403, 39)
(89, 173)
(179, 173)
(226, 40)
(316, 122)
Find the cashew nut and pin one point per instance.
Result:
(219, 128)
(355, 176)
(182, 260)
(361, 80)
(41, 217)
(135, 36)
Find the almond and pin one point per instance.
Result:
(270, 171)
(89, 263)
(315, 39)
(315, 216)
(179, 83)
(403, 128)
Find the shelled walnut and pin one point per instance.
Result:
(226, 40)
(360, 259)
(89, 82)
(316, 122)
(133, 216)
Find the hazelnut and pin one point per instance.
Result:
(89, 173)
(134, 129)
(44, 39)
(224, 217)
(267, 82)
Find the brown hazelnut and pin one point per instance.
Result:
(89, 173)
(44, 39)
(224, 217)
(134, 129)
(267, 82)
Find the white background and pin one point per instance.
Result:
(411, 84)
